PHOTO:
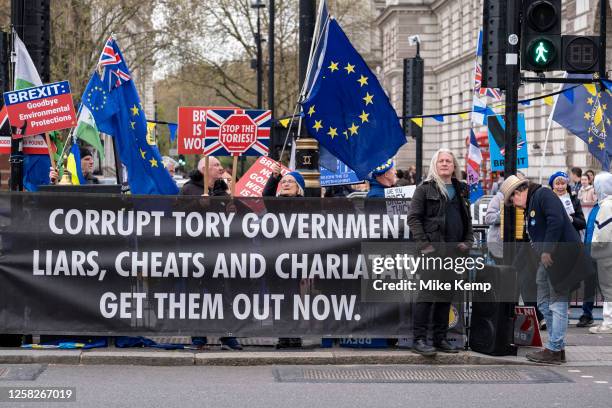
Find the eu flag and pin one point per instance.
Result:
(587, 117)
(114, 103)
(346, 109)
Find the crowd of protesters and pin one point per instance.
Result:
(565, 228)
(562, 224)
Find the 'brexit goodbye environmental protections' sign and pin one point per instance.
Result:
(42, 108)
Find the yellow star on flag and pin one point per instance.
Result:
(318, 125)
(143, 153)
(587, 115)
(363, 80)
(153, 162)
(601, 145)
(590, 101)
(333, 66)
(364, 117)
(345, 133)
(311, 111)
(349, 68)
(353, 129)
(333, 132)
(368, 99)
(590, 139)
(604, 106)
(134, 110)
(133, 125)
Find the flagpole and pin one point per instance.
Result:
(541, 170)
(16, 158)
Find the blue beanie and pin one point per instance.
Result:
(298, 178)
(552, 178)
(383, 168)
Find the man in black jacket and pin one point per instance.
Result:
(563, 263)
(216, 185)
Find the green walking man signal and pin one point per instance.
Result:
(541, 50)
(541, 53)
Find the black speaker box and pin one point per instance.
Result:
(492, 321)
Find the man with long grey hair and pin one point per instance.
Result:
(440, 222)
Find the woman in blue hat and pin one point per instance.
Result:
(559, 183)
(291, 184)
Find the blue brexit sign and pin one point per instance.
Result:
(342, 175)
(497, 128)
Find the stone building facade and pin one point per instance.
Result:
(448, 30)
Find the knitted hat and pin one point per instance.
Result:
(552, 178)
(298, 178)
(383, 168)
(85, 152)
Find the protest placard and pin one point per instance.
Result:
(41, 109)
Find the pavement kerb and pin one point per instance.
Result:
(246, 358)
(20, 356)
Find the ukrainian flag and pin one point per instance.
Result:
(73, 165)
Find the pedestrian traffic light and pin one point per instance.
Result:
(494, 44)
(541, 35)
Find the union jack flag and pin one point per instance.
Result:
(115, 70)
(215, 119)
(492, 92)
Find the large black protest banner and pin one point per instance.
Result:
(76, 264)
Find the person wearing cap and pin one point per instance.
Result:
(601, 247)
(291, 184)
(559, 183)
(440, 222)
(561, 265)
(383, 176)
(87, 168)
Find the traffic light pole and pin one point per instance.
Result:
(513, 76)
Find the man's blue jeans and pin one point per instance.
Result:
(554, 308)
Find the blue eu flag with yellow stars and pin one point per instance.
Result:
(114, 103)
(585, 110)
(346, 109)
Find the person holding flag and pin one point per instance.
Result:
(82, 173)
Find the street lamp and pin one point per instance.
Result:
(258, 5)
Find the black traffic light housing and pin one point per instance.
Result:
(580, 53)
(541, 45)
(413, 95)
(494, 36)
